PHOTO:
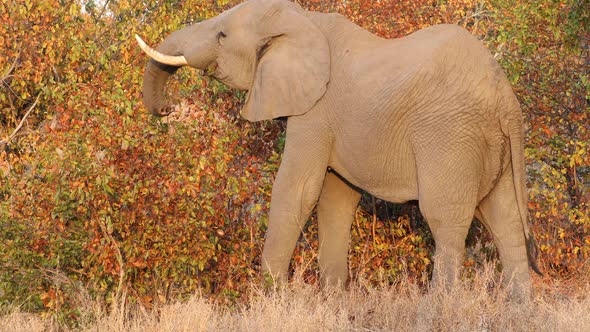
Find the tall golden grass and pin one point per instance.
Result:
(474, 305)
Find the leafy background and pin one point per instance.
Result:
(100, 200)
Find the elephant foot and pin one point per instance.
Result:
(447, 269)
(333, 283)
(516, 279)
(519, 291)
(333, 275)
(274, 270)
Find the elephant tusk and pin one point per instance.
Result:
(178, 60)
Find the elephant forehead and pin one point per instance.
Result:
(245, 10)
(252, 15)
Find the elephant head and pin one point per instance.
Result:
(266, 47)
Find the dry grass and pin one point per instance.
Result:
(473, 306)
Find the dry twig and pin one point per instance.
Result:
(11, 69)
(22, 121)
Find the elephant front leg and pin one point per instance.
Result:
(336, 210)
(295, 192)
(291, 204)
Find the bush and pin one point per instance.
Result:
(101, 200)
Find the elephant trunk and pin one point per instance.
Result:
(175, 51)
(154, 81)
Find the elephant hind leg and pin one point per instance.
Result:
(336, 210)
(449, 235)
(449, 212)
(499, 213)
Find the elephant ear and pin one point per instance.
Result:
(293, 65)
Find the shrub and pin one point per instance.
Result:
(98, 196)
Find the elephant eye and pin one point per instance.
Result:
(220, 35)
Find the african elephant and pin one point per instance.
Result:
(428, 117)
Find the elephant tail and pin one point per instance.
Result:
(516, 135)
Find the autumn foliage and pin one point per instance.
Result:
(100, 199)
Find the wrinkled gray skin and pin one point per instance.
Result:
(429, 116)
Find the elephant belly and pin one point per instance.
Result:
(389, 175)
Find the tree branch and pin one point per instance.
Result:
(22, 121)
(7, 75)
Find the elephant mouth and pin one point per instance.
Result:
(210, 70)
(214, 72)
